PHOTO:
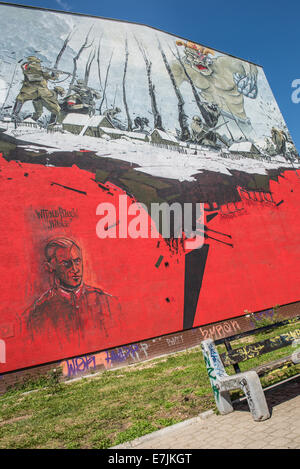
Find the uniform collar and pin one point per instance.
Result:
(69, 294)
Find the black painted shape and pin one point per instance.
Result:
(211, 216)
(69, 188)
(159, 261)
(195, 262)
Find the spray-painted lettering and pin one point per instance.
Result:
(80, 365)
(221, 330)
(122, 354)
(177, 340)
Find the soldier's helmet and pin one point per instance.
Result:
(197, 119)
(32, 58)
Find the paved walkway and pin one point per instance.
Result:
(236, 430)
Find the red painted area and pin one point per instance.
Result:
(124, 268)
(260, 271)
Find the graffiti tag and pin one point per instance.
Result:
(221, 330)
(171, 341)
(212, 376)
(123, 354)
(218, 366)
(80, 365)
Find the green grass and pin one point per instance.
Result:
(108, 409)
(111, 407)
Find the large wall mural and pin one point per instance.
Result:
(100, 121)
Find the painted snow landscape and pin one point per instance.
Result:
(153, 160)
(170, 107)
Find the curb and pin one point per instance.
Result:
(163, 431)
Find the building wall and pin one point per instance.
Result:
(74, 129)
(87, 268)
(130, 354)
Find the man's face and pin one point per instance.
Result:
(67, 267)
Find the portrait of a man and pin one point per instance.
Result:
(70, 310)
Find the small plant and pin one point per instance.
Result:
(264, 318)
(53, 380)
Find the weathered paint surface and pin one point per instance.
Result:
(222, 383)
(95, 113)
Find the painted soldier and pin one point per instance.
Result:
(140, 123)
(39, 105)
(112, 113)
(81, 99)
(279, 139)
(35, 88)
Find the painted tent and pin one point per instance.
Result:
(100, 120)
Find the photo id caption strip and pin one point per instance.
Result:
(146, 458)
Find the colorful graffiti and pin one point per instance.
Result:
(105, 360)
(100, 121)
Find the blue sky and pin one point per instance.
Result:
(265, 32)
